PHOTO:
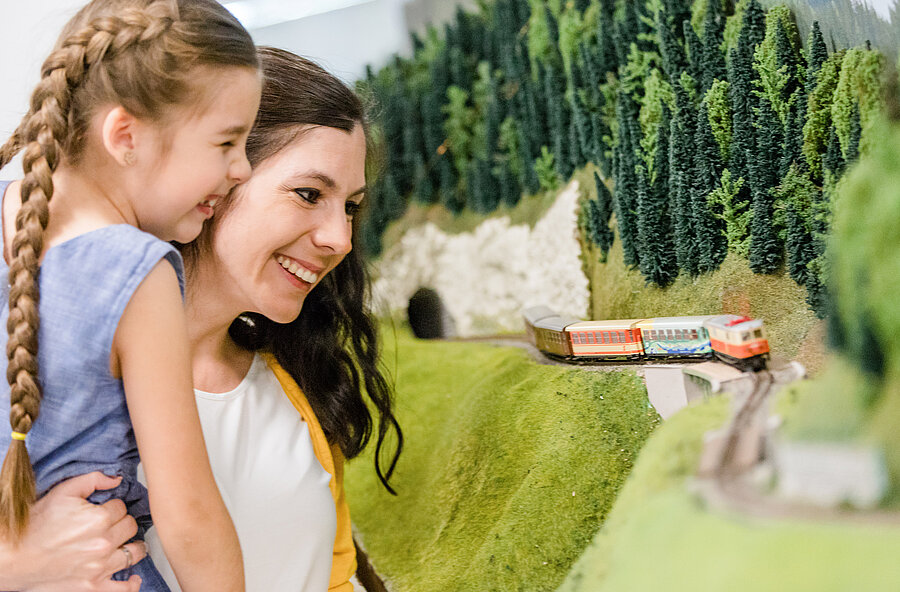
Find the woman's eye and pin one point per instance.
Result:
(352, 208)
(308, 195)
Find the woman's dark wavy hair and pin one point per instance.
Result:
(332, 348)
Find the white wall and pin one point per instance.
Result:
(344, 41)
(27, 32)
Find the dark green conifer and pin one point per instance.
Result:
(792, 146)
(600, 213)
(681, 170)
(852, 152)
(557, 118)
(818, 53)
(833, 161)
(393, 204)
(626, 179)
(765, 248)
(606, 56)
(510, 189)
(713, 59)
(711, 242)
(657, 245)
(451, 198)
(674, 61)
(694, 50)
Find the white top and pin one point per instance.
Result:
(272, 483)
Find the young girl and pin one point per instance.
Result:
(137, 126)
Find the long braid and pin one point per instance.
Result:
(44, 134)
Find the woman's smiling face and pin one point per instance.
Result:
(291, 223)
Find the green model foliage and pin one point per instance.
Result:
(734, 212)
(818, 113)
(720, 116)
(466, 118)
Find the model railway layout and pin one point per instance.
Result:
(736, 340)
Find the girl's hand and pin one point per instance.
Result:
(72, 544)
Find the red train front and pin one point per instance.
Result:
(739, 340)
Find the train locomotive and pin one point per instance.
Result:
(736, 340)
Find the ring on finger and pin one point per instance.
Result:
(129, 560)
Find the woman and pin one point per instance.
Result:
(285, 232)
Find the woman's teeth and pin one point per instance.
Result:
(300, 272)
(210, 202)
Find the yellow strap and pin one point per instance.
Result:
(18, 436)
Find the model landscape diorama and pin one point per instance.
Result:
(711, 167)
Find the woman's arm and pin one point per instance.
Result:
(151, 349)
(72, 544)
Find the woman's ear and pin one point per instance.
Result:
(119, 133)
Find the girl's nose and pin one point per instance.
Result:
(240, 168)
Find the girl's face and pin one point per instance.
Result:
(198, 159)
(291, 223)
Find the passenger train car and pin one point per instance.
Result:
(737, 340)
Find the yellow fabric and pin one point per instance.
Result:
(343, 562)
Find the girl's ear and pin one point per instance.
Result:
(120, 133)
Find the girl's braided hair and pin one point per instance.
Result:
(135, 53)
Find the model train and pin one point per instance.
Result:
(736, 340)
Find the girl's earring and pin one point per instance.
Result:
(129, 158)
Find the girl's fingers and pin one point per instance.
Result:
(121, 530)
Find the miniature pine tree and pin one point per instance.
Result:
(626, 181)
(450, 195)
(658, 262)
(509, 188)
(707, 171)
(852, 152)
(681, 154)
(833, 161)
(818, 52)
(792, 147)
(674, 60)
(694, 51)
(606, 57)
(558, 119)
(600, 214)
(713, 60)
(765, 249)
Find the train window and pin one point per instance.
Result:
(590, 337)
(613, 337)
(745, 336)
(757, 334)
(670, 335)
(622, 337)
(693, 334)
(648, 334)
(605, 335)
(677, 334)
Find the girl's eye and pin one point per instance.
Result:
(308, 195)
(352, 208)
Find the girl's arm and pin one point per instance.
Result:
(151, 350)
(72, 544)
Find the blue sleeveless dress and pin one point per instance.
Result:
(83, 424)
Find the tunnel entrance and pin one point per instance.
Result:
(428, 317)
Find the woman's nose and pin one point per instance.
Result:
(334, 229)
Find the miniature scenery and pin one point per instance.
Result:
(637, 267)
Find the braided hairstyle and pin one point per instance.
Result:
(139, 54)
(331, 349)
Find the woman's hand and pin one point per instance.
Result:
(72, 544)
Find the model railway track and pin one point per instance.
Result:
(741, 423)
